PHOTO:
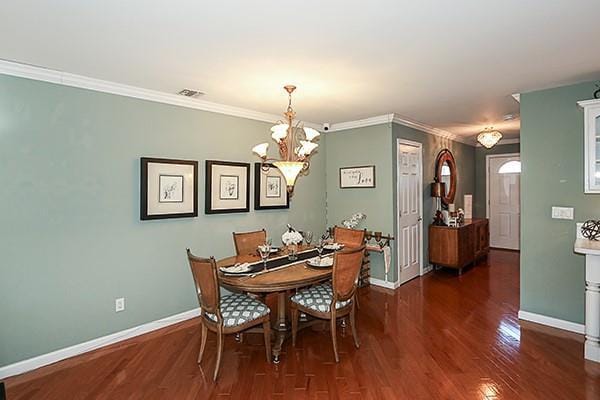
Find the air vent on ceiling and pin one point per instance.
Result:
(190, 93)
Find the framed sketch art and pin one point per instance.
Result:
(270, 190)
(169, 188)
(357, 177)
(227, 187)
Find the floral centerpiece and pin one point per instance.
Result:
(292, 238)
(354, 220)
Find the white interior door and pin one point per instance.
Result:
(504, 187)
(410, 204)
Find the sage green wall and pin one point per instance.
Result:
(552, 276)
(480, 196)
(465, 163)
(355, 147)
(377, 145)
(72, 240)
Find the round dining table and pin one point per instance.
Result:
(281, 280)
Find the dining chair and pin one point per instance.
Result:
(332, 300)
(247, 242)
(225, 315)
(348, 237)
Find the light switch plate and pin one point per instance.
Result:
(562, 212)
(120, 304)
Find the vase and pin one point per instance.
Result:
(292, 252)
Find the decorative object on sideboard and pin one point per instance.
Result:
(227, 187)
(362, 177)
(446, 172)
(597, 92)
(591, 229)
(437, 190)
(169, 188)
(295, 142)
(489, 137)
(269, 189)
(354, 220)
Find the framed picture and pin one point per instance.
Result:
(270, 190)
(168, 188)
(227, 187)
(357, 177)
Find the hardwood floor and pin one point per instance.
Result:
(439, 337)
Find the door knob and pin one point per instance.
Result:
(420, 219)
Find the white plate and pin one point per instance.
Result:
(324, 262)
(333, 246)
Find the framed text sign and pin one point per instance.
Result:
(357, 177)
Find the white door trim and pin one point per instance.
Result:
(422, 260)
(487, 177)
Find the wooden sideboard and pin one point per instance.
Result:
(458, 247)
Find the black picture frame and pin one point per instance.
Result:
(144, 212)
(209, 186)
(370, 186)
(258, 174)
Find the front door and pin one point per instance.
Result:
(410, 202)
(504, 183)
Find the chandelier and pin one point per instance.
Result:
(295, 144)
(489, 137)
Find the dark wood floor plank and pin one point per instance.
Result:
(442, 336)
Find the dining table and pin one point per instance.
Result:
(281, 276)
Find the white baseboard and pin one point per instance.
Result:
(553, 322)
(58, 355)
(385, 284)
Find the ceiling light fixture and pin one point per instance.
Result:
(489, 137)
(295, 146)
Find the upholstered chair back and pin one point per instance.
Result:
(346, 267)
(248, 242)
(204, 271)
(348, 237)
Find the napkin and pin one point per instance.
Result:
(237, 268)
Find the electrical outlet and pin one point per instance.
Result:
(120, 304)
(562, 212)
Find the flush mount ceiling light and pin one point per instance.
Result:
(295, 146)
(489, 137)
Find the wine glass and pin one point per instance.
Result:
(308, 237)
(264, 250)
(320, 245)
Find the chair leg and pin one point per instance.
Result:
(353, 325)
(294, 316)
(202, 342)
(356, 300)
(333, 338)
(219, 352)
(267, 333)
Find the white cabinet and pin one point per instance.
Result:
(591, 110)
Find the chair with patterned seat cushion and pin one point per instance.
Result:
(318, 301)
(231, 314)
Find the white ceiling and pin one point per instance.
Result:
(449, 64)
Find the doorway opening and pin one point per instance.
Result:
(503, 207)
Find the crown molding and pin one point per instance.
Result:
(398, 119)
(20, 70)
(517, 97)
(503, 142)
(361, 123)
(588, 103)
(430, 129)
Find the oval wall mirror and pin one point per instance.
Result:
(445, 171)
